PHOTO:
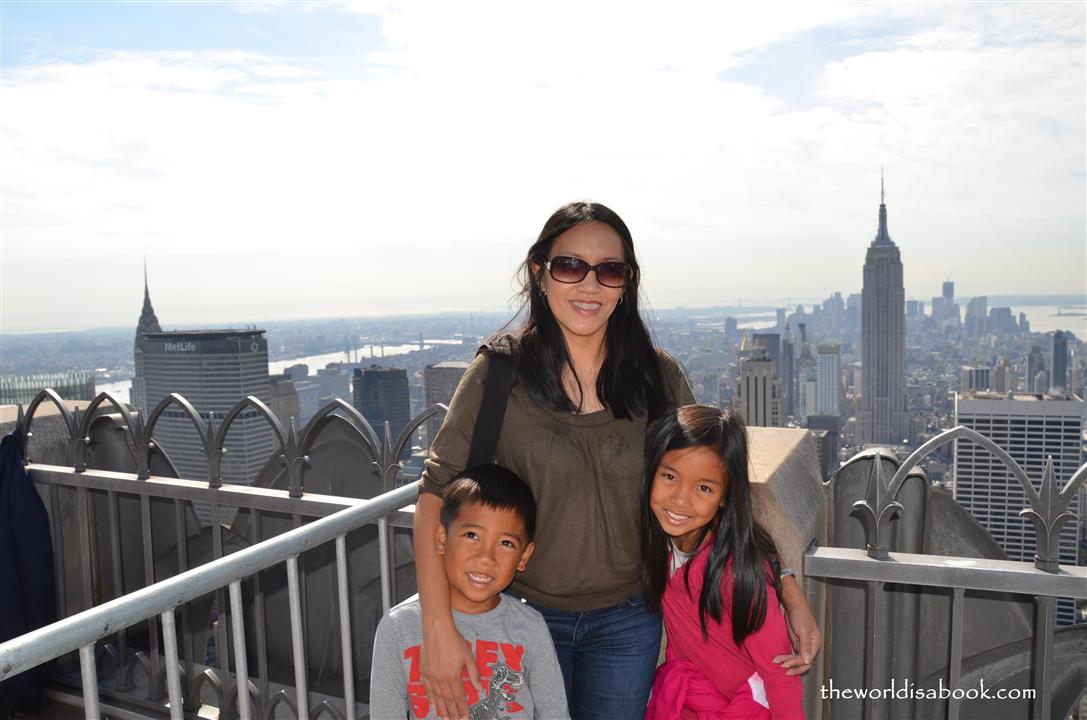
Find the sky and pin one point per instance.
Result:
(282, 160)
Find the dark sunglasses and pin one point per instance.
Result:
(565, 269)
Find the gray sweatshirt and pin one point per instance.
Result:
(513, 651)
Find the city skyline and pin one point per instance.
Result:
(320, 160)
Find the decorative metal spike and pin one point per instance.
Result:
(294, 460)
(387, 446)
(211, 428)
(214, 452)
(292, 434)
(1049, 515)
(79, 442)
(877, 510)
(24, 435)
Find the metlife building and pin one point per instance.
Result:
(213, 370)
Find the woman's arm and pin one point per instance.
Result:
(445, 654)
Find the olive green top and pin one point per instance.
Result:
(586, 473)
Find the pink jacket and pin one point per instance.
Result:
(714, 679)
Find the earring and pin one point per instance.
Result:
(620, 300)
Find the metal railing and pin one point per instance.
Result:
(173, 678)
(878, 567)
(83, 630)
(223, 575)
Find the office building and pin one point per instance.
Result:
(1059, 380)
(772, 343)
(977, 313)
(976, 377)
(1035, 365)
(1030, 428)
(1005, 379)
(309, 399)
(381, 395)
(828, 382)
(788, 371)
(284, 401)
(827, 432)
(882, 417)
(335, 383)
(213, 370)
(1002, 322)
(758, 392)
(440, 381)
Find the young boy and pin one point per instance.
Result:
(485, 536)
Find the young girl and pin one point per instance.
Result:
(713, 572)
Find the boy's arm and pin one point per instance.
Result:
(544, 677)
(388, 686)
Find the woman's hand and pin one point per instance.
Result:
(803, 629)
(444, 657)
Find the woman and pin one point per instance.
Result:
(587, 381)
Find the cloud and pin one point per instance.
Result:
(265, 186)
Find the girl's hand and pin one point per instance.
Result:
(803, 630)
(444, 657)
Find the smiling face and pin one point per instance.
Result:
(482, 551)
(689, 488)
(582, 309)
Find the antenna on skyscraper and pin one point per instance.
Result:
(881, 185)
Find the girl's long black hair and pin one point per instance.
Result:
(631, 381)
(736, 535)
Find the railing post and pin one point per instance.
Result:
(241, 662)
(89, 677)
(1044, 627)
(874, 650)
(383, 550)
(954, 672)
(173, 675)
(346, 638)
(298, 641)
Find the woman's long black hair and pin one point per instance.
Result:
(736, 534)
(631, 381)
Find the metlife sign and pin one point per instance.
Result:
(183, 346)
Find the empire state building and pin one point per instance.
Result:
(882, 418)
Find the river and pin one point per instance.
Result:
(120, 388)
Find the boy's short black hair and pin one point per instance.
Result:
(493, 486)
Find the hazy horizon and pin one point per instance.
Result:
(369, 159)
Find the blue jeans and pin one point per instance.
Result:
(607, 658)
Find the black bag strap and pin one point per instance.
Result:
(492, 410)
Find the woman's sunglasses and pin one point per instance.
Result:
(565, 269)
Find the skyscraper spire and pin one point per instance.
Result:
(880, 202)
(883, 237)
(148, 321)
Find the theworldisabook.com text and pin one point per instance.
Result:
(908, 690)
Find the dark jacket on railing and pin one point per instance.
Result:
(27, 591)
